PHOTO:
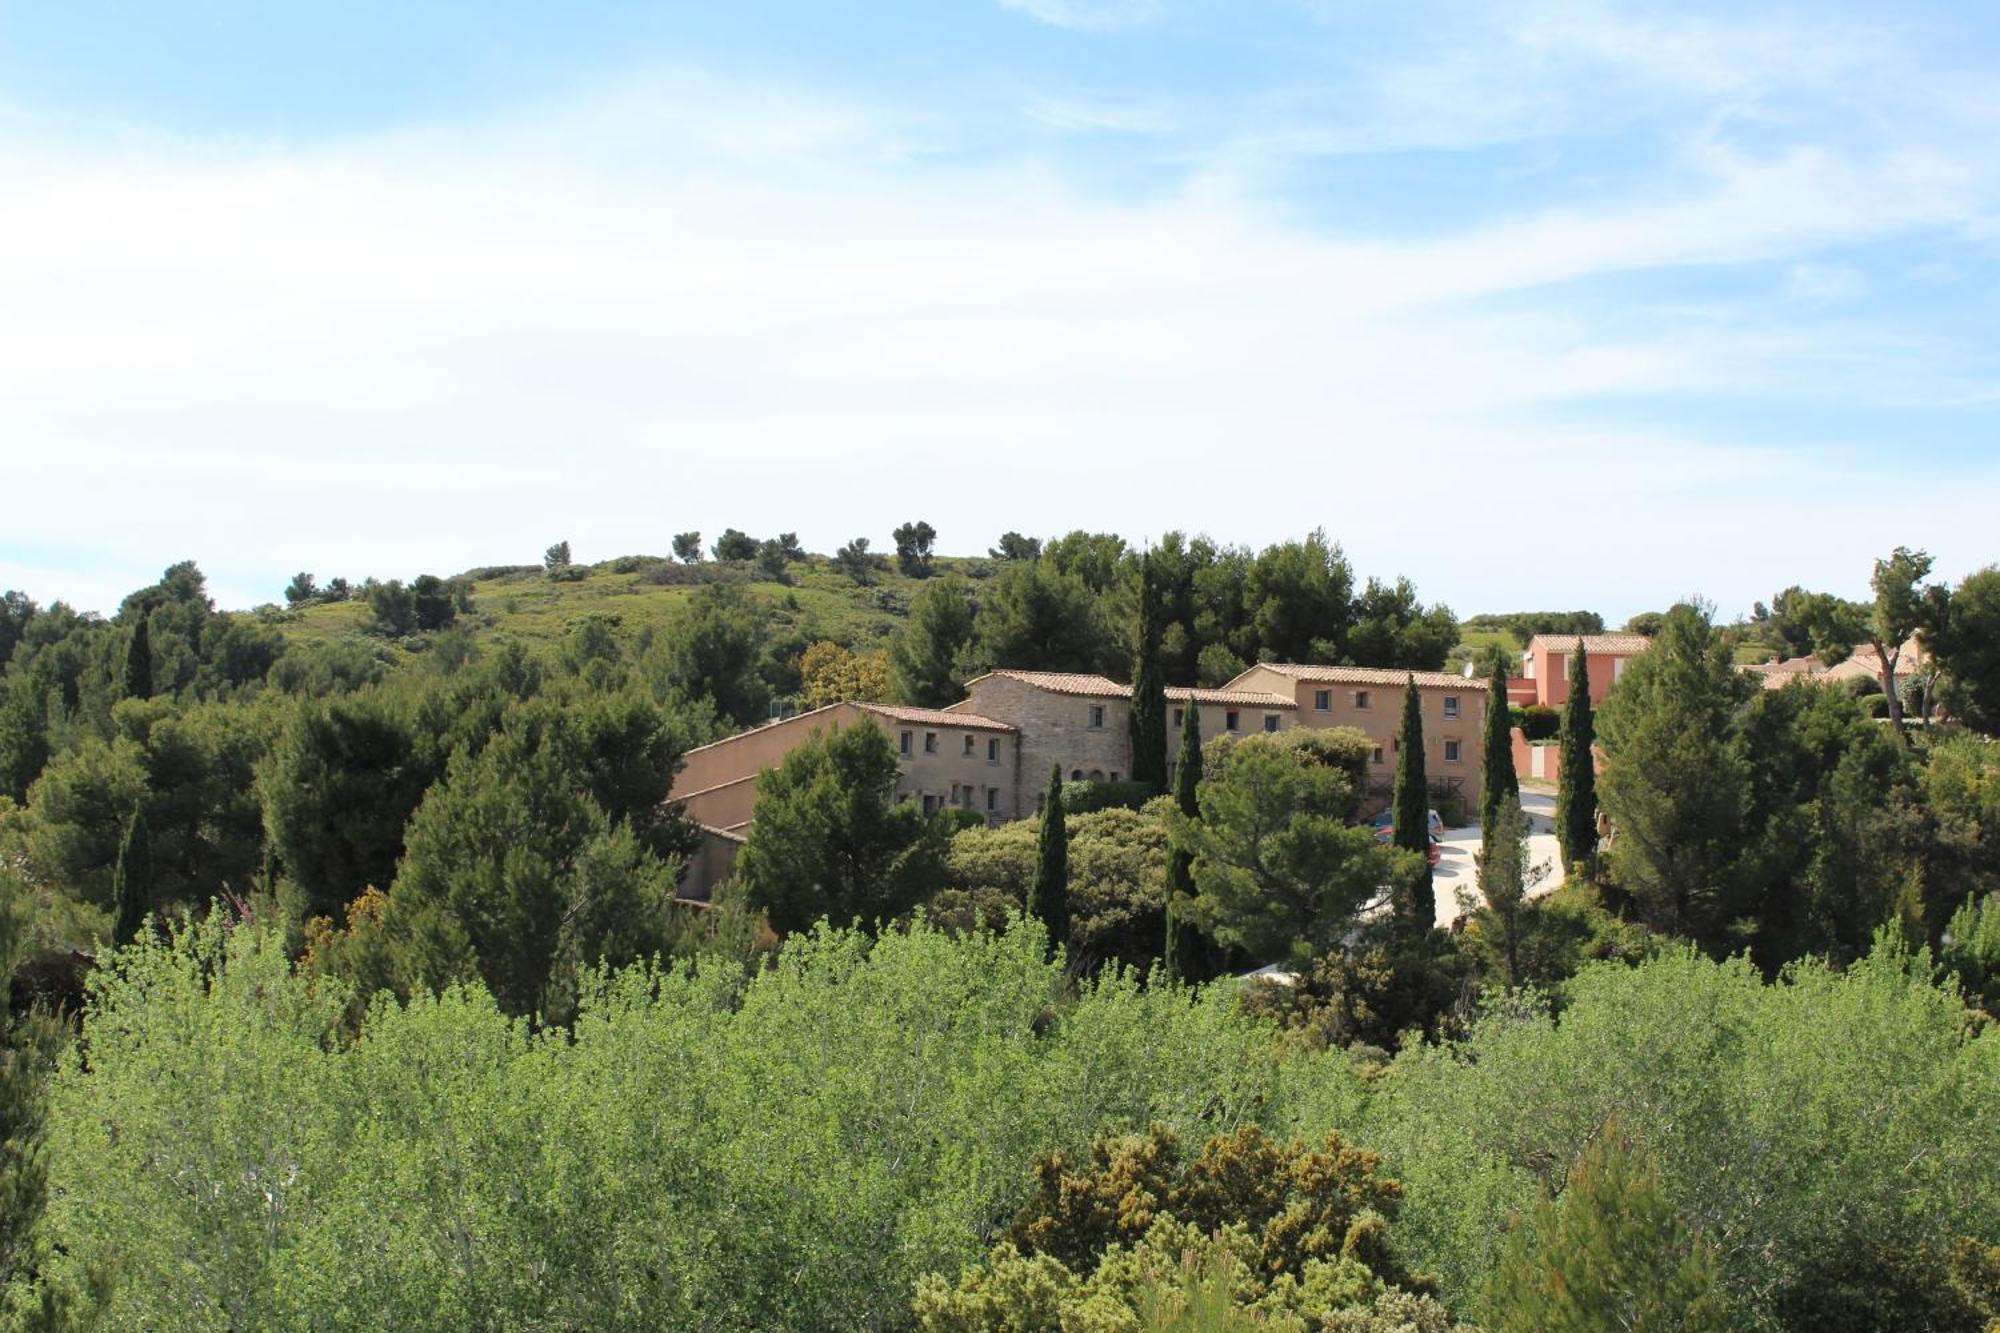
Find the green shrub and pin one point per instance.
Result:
(1540, 723)
(1081, 798)
(701, 1151)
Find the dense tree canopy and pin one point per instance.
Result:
(832, 841)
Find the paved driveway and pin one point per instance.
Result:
(1456, 869)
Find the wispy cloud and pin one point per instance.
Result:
(679, 301)
(1100, 15)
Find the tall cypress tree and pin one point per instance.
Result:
(1148, 716)
(1576, 796)
(1411, 809)
(139, 659)
(1048, 896)
(132, 884)
(1498, 779)
(1187, 954)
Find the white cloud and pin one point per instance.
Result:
(1101, 15)
(684, 305)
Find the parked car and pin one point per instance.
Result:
(1385, 831)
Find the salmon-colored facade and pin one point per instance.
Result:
(1545, 666)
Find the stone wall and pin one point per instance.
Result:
(1055, 729)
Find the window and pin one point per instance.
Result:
(1270, 721)
(1322, 701)
(968, 747)
(1451, 705)
(1229, 720)
(1097, 715)
(930, 805)
(1076, 775)
(992, 798)
(930, 742)
(1114, 775)
(903, 744)
(1097, 775)
(1376, 758)
(1451, 752)
(1180, 715)
(1361, 698)
(992, 749)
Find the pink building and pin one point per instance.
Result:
(1545, 666)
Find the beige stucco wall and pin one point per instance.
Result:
(954, 776)
(717, 783)
(1383, 717)
(750, 752)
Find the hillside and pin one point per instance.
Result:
(640, 593)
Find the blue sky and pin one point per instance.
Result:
(380, 288)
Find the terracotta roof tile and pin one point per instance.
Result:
(1103, 687)
(937, 717)
(1615, 645)
(1063, 682)
(1247, 698)
(1349, 675)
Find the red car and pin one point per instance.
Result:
(1385, 831)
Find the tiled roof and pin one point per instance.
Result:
(1616, 645)
(1348, 675)
(1063, 682)
(1103, 687)
(936, 717)
(1247, 698)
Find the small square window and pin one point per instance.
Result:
(1451, 705)
(1361, 698)
(930, 742)
(903, 744)
(992, 749)
(1229, 720)
(1451, 752)
(1114, 775)
(1270, 721)
(968, 745)
(1097, 715)
(1322, 701)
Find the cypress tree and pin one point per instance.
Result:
(1498, 777)
(1186, 956)
(1148, 716)
(1412, 806)
(132, 884)
(139, 660)
(1048, 896)
(1576, 796)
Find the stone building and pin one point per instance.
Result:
(1370, 699)
(992, 752)
(1081, 723)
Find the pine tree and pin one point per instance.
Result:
(133, 884)
(1576, 797)
(1048, 896)
(139, 660)
(1499, 781)
(1411, 811)
(1187, 955)
(1609, 1252)
(1148, 717)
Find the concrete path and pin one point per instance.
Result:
(1456, 869)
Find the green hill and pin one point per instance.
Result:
(813, 600)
